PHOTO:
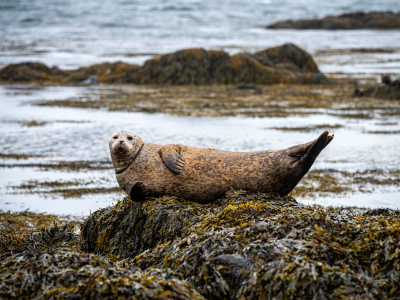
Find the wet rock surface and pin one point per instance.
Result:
(357, 20)
(284, 64)
(243, 246)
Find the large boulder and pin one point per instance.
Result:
(254, 246)
(284, 64)
(189, 66)
(289, 57)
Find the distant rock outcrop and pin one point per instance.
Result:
(284, 64)
(358, 20)
(390, 89)
(37, 72)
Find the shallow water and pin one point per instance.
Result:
(82, 135)
(71, 33)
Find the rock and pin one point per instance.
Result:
(390, 90)
(190, 66)
(30, 71)
(284, 64)
(106, 72)
(358, 92)
(289, 57)
(93, 79)
(243, 246)
(357, 20)
(244, 86)
(299, 252)
(386, 79)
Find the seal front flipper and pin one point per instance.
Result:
(139, 191)
(308, 152)
(171, 156)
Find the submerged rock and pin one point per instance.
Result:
(283, 64)
(358, 20)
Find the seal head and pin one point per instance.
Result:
(124, 145)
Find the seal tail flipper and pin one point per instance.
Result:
(308, 152)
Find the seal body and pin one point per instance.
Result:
(204, 175)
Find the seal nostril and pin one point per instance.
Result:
(121, 142)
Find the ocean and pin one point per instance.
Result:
(70, 33)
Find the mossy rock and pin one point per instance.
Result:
(255, 246)
(243, 246)
(106, 72)
(185, 67)
(287, 56)
(357, 20)
(30, 71)
(283, 64)
(71, 274)
(389, 92)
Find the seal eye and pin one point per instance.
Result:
(115, 137)
(130, 138)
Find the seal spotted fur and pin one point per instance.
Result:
(204, 175)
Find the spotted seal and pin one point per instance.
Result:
(203, 174)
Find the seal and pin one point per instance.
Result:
(202, 174)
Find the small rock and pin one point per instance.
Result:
(93, 79)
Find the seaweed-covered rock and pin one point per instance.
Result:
(255, 246)
(390, 89)
(31, 71)
(37, 72)
(287, 56)
(385, 92)
(128, 228)
(70, 274)
(190, 66)
(284, 64)
(106, 72)
(357, 20)
(27, 231)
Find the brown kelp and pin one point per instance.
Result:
(68, 274)
(43, 262)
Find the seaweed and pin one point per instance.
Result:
(70, 274)
(256, 246)
(243, 246)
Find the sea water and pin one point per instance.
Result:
(71, 33)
